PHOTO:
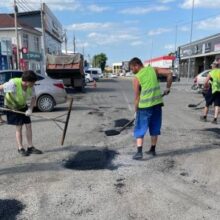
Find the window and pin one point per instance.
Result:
(25, 40)
(36, 44)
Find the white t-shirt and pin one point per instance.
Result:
(11, 87)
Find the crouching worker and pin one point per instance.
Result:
(17, 91)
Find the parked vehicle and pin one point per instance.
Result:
(93, 73)
(99, 70)
(199, 80)
(88, 77)
(49, 92)
(69, 68)
(113, 75)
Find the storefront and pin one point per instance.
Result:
(199, 55)
(31, 60)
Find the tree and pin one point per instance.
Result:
(99, 60)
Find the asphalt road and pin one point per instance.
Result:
(93, 176)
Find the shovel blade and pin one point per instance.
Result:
(192, 105)
(112, 132)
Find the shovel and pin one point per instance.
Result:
(113, 132)
(195, 105)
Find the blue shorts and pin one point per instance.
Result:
(148, 118)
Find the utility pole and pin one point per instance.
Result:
(16, 34)
(65, 41)
(74, 44)
(151, 51)
(176, 32)
(43, 52)
(190, 41)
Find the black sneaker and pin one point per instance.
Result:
(33, 150)
(214, 121)
(202, 118)
(23, 152)
(151, 152)
(138, 156)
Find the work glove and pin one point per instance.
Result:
(28, 112)
(166, 92)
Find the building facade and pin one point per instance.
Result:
(47, 23)
(199, 55)
(29, 44)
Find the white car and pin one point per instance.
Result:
(49, 92)
(112, 75)
(199, 80)
(88, 77)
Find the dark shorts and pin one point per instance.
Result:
(149, 118)
(18, 119)
(208, 96)
(216, 98)
(1, 103)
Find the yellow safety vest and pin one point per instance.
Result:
(150, 88)
(18, 100)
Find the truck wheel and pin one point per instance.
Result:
(45, 103)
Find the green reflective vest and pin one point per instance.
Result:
(18, 99)
(215, 74)
(150, 88)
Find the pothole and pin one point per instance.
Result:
(100, 114)
(92, 160)
(121, 122)
(10, 208)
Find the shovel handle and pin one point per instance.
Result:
(126, 125)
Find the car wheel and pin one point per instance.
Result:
(45, 103)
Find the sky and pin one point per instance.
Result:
(123, 29)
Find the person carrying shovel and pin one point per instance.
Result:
(148, 103)
(17, 91)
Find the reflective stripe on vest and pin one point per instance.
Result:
(215, 74)
(150, 88)
(18, 100)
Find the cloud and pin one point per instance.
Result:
(159, 31)
(137, 43)
(96, 8)
(90, 26)
(184, 29)
(56, 5)
(208, 24)
(143, 10)
(107, 39)
(187, 4)
(169, 46)
(167, 1)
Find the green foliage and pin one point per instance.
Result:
(99, 60)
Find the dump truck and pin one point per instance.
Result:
(69, 68)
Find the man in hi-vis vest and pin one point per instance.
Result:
(214, 77)
(16, 92)
(148, 103)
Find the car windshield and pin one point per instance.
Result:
(204, 74)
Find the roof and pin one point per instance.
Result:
(7, 21)
(201, 40)
(160, 59)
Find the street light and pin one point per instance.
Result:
(190, 41)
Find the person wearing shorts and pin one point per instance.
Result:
(207, 94)
(17, 91)
(1, 105)
(214, 77)
(148, 103)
